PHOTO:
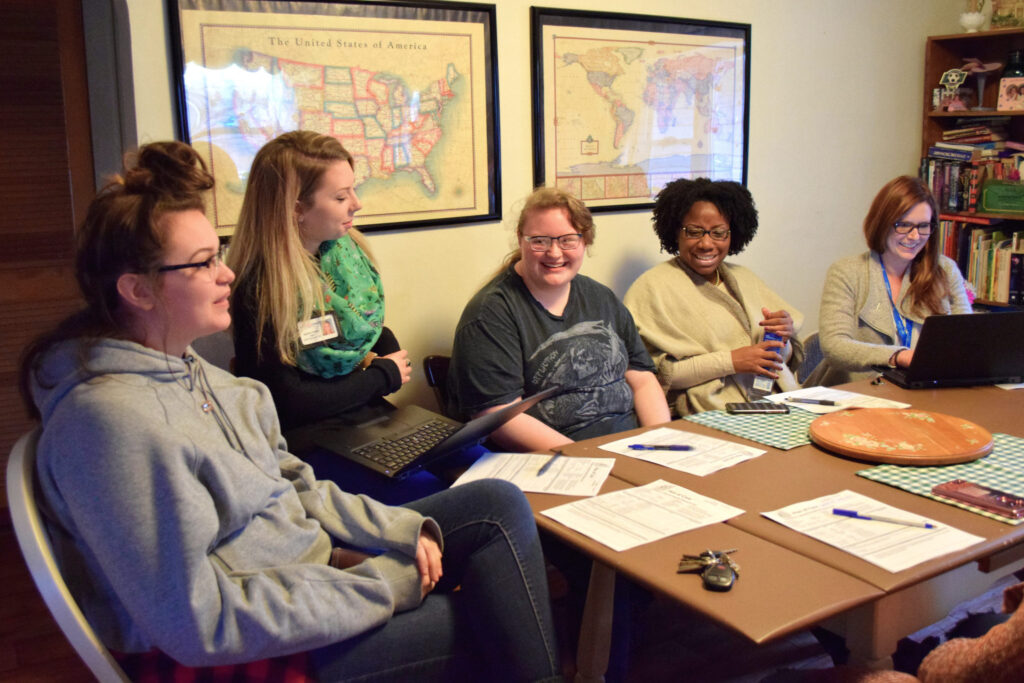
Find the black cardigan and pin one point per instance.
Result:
(302, 398)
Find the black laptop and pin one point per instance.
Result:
(965, 350)
(399, 441)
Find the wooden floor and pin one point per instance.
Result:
(32, 648)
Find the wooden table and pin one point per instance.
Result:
(872, 619)
(804, 591)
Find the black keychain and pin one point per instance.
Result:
(717, 569)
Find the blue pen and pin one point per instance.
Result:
(879, 518)
(550, 461)
(670, 447)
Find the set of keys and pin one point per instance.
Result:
(717, 569)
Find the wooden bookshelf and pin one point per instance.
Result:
(943, 53)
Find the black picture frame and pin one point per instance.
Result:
(410, 88)
(577, 57)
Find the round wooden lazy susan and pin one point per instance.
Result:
(901, 436)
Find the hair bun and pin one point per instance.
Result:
(168, 169)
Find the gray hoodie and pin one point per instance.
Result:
(196, 532)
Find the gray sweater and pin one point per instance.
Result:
(196, 532)
(857, 330)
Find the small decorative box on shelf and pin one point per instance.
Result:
(1002, 197)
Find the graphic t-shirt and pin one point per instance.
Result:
(508, 345)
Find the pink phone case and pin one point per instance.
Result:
(999, 502)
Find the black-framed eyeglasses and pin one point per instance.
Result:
(210, 266)
(904, 228)
(695, 232)
(543, 242)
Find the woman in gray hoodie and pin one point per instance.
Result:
(187, 532)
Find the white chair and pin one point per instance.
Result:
(35, 548)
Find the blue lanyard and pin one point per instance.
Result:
(904, 328)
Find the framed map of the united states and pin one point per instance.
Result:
(408, 88)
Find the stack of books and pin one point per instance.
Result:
(971, 152)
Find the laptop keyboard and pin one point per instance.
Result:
(394, 454)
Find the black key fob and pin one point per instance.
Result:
(718, 577)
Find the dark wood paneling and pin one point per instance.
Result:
(46, 180)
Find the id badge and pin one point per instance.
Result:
(318, 330)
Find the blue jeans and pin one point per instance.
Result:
(496, 627)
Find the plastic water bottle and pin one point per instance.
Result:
(763, 385)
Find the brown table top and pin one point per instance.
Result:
(800, 590)
(779, 478)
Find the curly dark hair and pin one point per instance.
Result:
(731, 199)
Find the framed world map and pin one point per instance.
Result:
(623, 103)
(408, 88)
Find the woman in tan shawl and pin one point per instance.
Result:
(703, 320)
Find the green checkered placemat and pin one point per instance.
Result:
(1002, 469)
(783, 431)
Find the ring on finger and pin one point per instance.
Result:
(408, 363)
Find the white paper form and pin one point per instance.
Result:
(625, 519)
(843, 399)
(708, 454)
(532, 472)
(893, 547)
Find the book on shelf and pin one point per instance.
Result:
(936, 152)
(970, 147)
(973, 187)
(952, 133)
(979, 262)
(963, 248)
(983, 137)
(964, 122)
(1015, 294)
(999, 277)
(972, 131)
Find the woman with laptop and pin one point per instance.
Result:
(190, 537)
(308, 301)
(873, 304)
(308, 306)
(537, 324)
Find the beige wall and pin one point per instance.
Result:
(835, 108)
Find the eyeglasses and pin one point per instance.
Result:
(210, 266)
(904, 228)
(543, 242)
(695, 232)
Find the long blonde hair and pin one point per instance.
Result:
(266, 248)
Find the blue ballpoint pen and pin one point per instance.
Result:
(547, 464)
(670, 447)
(879, 518)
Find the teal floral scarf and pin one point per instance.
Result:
(352, 290)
